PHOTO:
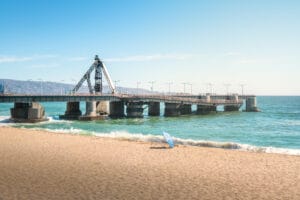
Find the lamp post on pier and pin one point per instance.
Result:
(137, 86)
(116, 81)
(210, 87)
(190, 84)
(227, 85)
(184, 84)
(152, 83)
(62, 86)
(169, 86)
(242, 87)
(41, 82)
(2, 89)
(73, 83)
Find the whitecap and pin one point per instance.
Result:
(124, 135)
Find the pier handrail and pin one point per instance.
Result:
(120, 97)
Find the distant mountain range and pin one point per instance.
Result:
(10, 86)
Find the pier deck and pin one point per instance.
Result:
(27, 107)
(197, 100)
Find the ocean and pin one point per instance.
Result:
(276, 129)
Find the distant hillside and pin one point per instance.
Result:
(40, 87)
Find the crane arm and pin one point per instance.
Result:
(85, 77)
(89, 84)
(107, 76)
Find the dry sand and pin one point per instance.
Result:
(43, 165)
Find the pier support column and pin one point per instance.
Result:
(154, 109)
(90, 109)
(204, 110)
(28, 112)
(172, 109)
(73, 111)
(234, 99)
(185, 109)
(116, 109)
(135, 109)
(91, 112)
(102, 107)
(251, 104)
(231, 108)
(207, 98)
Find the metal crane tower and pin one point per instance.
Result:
(99, 67)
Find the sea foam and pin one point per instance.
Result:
(124, 135)
(5, 121)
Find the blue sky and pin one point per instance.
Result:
(234, 42)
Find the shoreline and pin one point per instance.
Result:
(44, 165)
(138, 137)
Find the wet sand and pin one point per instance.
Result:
(44, 165)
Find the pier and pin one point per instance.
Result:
(27, 108)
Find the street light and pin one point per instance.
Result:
(184, 84)
(137, 86)
(210, 87)
(152, 82)
(73, 81)
(2, 87)
(169, 85)
(227, 85)
(28, 85)
(242, 87)
(116, 81)
(62, 86)
(191, 87)
(41, 80)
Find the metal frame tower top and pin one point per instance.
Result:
(99, 67)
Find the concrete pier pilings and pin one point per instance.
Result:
(204, 110)
(26, 108)
(154, 109)
(102, 107)
(73, 111)
(207, 98)
(91, 112)
(116, 109)
(27, 112)
(251, 105)
(135, 109)
(186, 109)
(172, 109)
(90, 108)
(231, 108)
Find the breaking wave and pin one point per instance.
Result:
(123, 135)
(4, 120)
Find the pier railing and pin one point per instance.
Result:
(222, 100)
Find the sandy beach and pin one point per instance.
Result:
(44, 165)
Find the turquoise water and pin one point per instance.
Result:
(275, 129)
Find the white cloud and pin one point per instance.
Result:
(135, 58)
(13, 59)
(79, 58)
(140, 58)
(232, 53)
(44, 65)
(255, 61)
